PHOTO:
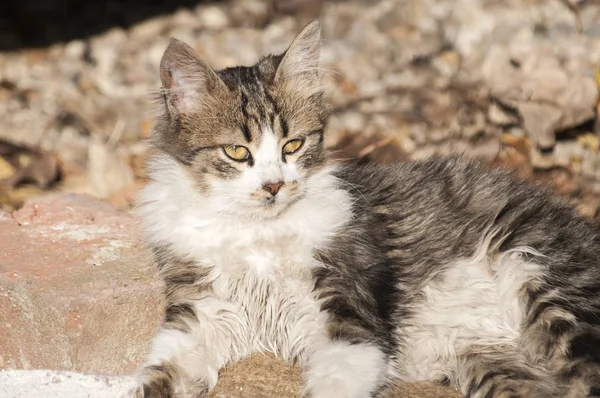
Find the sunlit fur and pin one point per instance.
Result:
(440, 270)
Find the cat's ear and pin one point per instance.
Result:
(187, 80)
(300, 64)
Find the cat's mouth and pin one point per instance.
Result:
(273, 206)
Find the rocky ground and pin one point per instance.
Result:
(514, 82)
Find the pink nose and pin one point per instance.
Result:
(273, 188)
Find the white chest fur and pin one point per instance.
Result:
(263, 266)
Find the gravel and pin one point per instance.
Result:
(406, 79)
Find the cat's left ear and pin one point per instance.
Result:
(300, 64)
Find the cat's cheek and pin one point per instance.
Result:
(249, 179)
(232, 191)
(291, 173)
(250, 185)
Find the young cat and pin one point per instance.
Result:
(440, 270)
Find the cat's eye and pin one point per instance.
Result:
(237, 153)
(292, 146)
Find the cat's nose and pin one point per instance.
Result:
(273, 188)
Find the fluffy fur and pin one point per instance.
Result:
(440, 270)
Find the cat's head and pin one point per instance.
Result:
(247, 137)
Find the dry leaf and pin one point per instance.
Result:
(379, 144)
(515, 155)
(13, 199)
(6, 169)
(24, 164)
(145, 128)
(125, 198)
(589, 141)
(452, 58)
(107, 170)
(517, 142)
(564, 182)
(376, 147)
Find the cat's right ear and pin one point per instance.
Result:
(187, 80)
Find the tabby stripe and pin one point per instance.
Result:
(284, 126)
(245, 128)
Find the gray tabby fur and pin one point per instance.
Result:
(440, 270)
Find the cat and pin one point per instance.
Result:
(442, 269)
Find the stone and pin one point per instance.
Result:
(213, 17)
(416, 65)
(77, 287)
(149, 28)
(500, 117)
(108, 170)
(540, 121)
(57, 384)
(550, 95)
(74, 49)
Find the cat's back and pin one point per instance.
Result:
(442, 207)
(452, 188)
(435, 179)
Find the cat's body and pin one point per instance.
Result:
(436, 270)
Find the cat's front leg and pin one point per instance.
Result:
(185, 361)
(201, 332)
(344, 369)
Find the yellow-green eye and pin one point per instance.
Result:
(292, 146)
(238, 153)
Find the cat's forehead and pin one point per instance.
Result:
(261, 73)
(254, 101)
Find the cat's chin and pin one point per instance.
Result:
(260, 213)
(269, 209)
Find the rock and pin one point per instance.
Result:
(400, 66)
(501, 117)
(540, 160)
(75, 49)
(590, 165)
(541, 121)
(150, 28)
(54, 384)
(564, 182)
(77, 288)
(108, 170)
(20, 164)
(549, 96)
(590, 206)
(448, 63)
(213, 17)
(185, 18)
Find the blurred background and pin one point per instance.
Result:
(514, 82)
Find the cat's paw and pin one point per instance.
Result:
(157, 389)
(164, 387)
(162, 390)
